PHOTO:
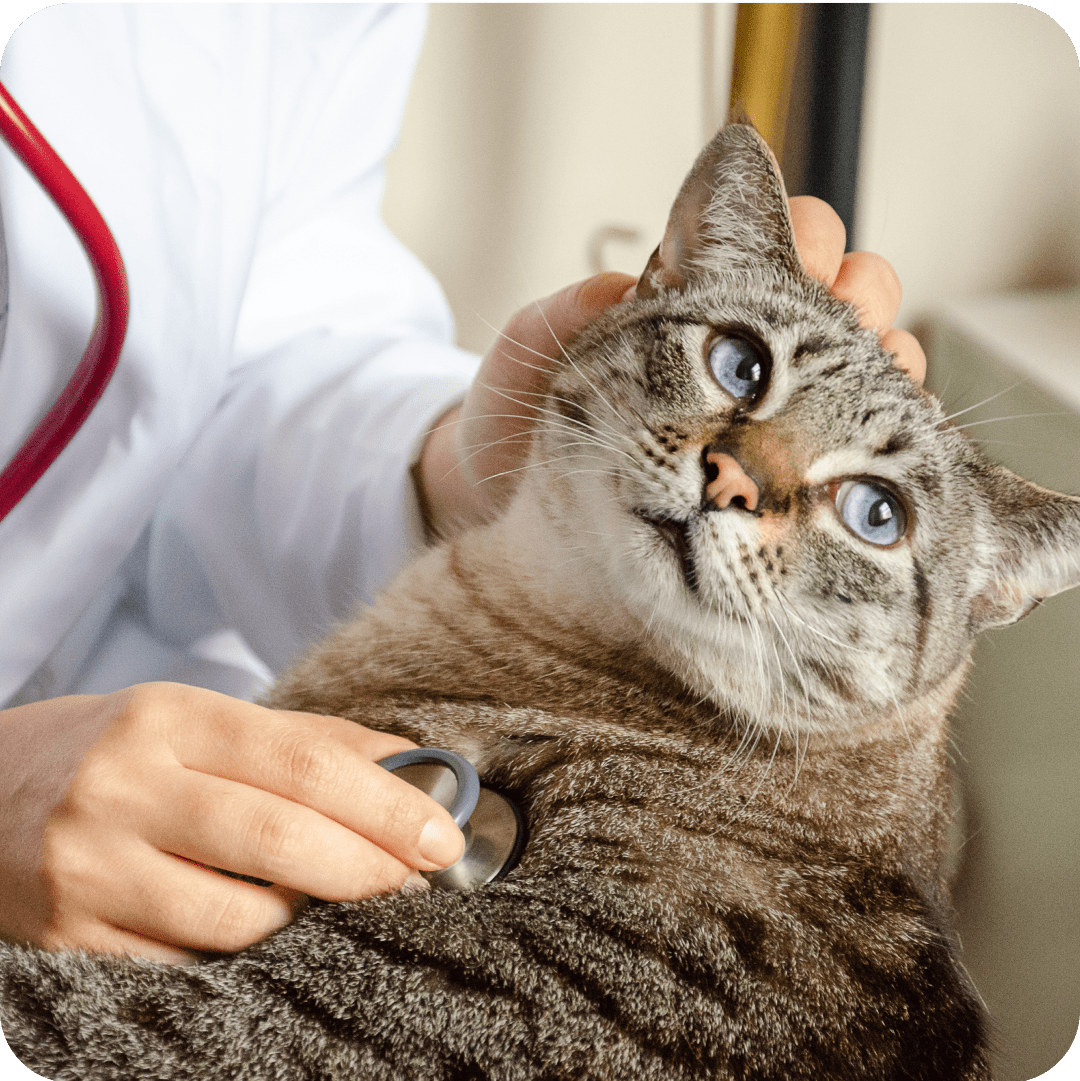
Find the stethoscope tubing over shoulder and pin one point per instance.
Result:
(86, 385)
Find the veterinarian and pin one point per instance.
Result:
(289, 424)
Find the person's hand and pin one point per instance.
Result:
(862, 277)
(116, 807)
(470, 460)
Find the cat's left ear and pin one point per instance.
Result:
(1038, 542)
(731, 214)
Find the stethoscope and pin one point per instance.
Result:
(493, 826)
(86, 385)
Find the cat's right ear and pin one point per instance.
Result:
(1038, 542)
(731, 214)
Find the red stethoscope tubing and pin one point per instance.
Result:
(91, 376)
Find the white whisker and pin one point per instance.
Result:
(985, 401)
(1015, 416)
(570, 360)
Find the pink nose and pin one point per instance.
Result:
(730, 482)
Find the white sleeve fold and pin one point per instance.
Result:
(296, 502)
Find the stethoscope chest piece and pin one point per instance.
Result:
(493, 826)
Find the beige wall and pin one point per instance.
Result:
(532, 125)
(970, 164)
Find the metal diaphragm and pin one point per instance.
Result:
(493, 826)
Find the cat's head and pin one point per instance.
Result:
(739, 466)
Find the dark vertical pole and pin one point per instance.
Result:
(838, 67)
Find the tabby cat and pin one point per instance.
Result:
(709, 649)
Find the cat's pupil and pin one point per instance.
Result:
(738, 368)
(749, 371)
(880, 513)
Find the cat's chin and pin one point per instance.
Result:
(674, 533)
(681, 583)
(678, 604)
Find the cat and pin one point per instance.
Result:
(709, 649)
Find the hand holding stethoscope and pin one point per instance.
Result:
(493, 827)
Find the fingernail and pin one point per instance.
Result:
(185, 959)
(415, 883)
(441, 843)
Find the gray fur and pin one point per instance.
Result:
(726, 729)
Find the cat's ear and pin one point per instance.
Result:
(1038, 548)
(731, 213)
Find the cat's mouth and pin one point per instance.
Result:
(676, 534)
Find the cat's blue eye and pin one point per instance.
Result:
(871, 511)
(738, 368)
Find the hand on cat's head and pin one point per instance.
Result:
(862, 277)
(469, 463)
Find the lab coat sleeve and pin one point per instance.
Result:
(295, 501)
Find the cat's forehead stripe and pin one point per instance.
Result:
(656, 320)
(811, 345)
(897, 442)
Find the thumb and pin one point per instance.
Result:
(536, 334)
(564, 313)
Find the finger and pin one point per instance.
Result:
(909, 353)
(567, 311)
(174, 901)
(233, 826)
(369, 743)
(96, 937)
(869, 282)
(539, 331)
(324, 764)
(124, 882)
(194, 720)
(820, 236)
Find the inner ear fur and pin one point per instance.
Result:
(1038, 542)
(731, 214)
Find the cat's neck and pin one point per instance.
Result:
(505, 613)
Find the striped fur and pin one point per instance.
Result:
(727, 729)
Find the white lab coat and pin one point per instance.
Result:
(246, 474)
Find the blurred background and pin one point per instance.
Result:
(545, 142)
